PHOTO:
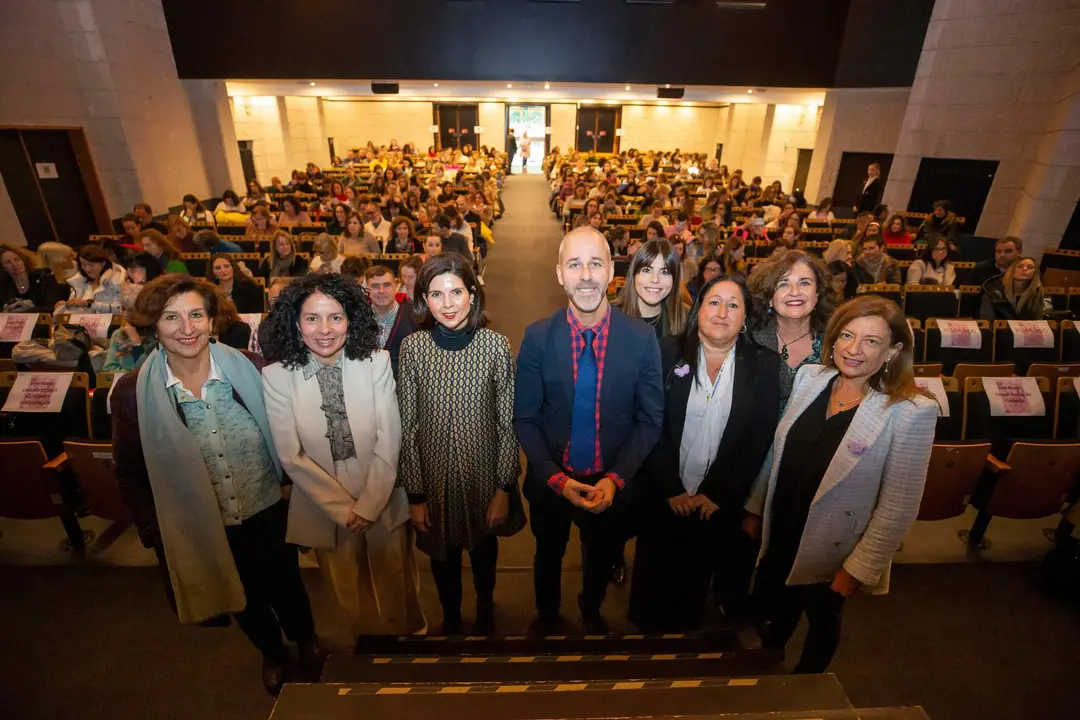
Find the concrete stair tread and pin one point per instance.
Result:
(586, 700)
(547, 667)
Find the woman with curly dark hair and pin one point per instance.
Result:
(456, 382)
(334, 417)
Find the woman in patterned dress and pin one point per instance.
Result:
(459, 455)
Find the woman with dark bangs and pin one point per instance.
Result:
(652, 287)
(334, 417)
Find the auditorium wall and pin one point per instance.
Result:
(11, 232)
(666, 127)
(353, 122)
(492, 118)
(563, 123)
(999, 81)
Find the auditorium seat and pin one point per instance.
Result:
(970, 296)
(1073, 301)
(621, 266)
(95, 472)
(100, 418)
(889, 291)
(231, 230)
(42, 329)
(930, 301)
(951, 427)
(963, 371)
(31, 488)
(196, 263)
(1003, 431)
(1067, 410)
(51, 429)
(949, 357)
(918, 335)
(1034, 481)
(1058, 297)
(902, 253)
(1069, 342)
(950, 479)
(1023, 357)
(927, 370)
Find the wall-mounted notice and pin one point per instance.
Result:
(46, 171)
(38, 392)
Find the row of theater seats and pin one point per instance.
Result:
(1005, 466)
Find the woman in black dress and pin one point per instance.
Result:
(25, 286)
(722, 403)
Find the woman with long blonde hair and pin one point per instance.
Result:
(1016, 295)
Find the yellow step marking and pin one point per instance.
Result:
(393, 691)
(616, 657)
(686, 684)
(710, 656)
(666, 656)
(514, 637)
(629, 686)
(381, 661)
(568, 658)
(742, 682)
(343, 691)
(454, 690)
(570, 687)
(474, 659)
(523, 659)
(512, 688)
(425, 660)
(672, 636)
(594, 637)
(633, 637)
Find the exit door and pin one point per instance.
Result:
(457, 124)
(53, 186)
(596, 129)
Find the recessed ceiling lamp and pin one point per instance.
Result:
(547, 86)
(435, 84)
(312, 84)
(627, 88)
(667, 86)
(750, 91)
(509, 86)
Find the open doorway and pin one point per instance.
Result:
(529, 123)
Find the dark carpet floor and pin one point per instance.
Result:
(975, 640)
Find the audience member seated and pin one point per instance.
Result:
(862, 221)
(273, 292)
(24, 286)
(450, 241)
(97, 285)
(194, 212)
(300, 184)
(277, 188)
(1016, 295)
(376, 225)
(282, 260)
(732, 257)
(402, 237)
(230, 210)
(60, 259)
(163, 250)
(934, 266)
(786, 214)
(127, 346)
(874, 266)
(335, 225)
(432, 247)
(656, 215)
(823, 212)
(234, 283)
(394, 317)
(408, 271)
(942, 221)
(327, 258)
(1006, 251)
(260, 226)
(895, 231)
(840, 251)
(789, 238)
(292, 213)
(709, 267)
(354, 268)
(255, 195)
(180, 234)
(354, 241)
(145, 216)
(210, 242)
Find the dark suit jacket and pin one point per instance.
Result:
(755, 411)
(869, 198)
(631, 398)
(981, 272)
(403, 327)
(457, 243)
(511, 145)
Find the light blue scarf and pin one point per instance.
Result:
(201, 566)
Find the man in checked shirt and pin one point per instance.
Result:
(588, 408)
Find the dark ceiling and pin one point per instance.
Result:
(793, 43)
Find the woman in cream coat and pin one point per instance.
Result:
(333, 412)
(843, 481)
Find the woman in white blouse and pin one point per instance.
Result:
(934, 266)
(722, 402)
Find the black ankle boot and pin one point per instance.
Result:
(273, 673)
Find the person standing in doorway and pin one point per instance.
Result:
(524, 151)
(511, 151)
(870, 194)
(588, 408)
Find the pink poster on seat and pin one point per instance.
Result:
(935, 387)
(38, 392)
(1014, 397)
(963, 334)
(1031, 334)
(17, 327)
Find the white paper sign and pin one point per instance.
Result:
(1031, 334)
(478, 129)
(618, 132)
(46, 171)
(936, 387)
(108, 398)
(1014, 397)
(547, 131)
(38, 392)
(960, 334)
(253, 320)
(17, 327)
(434, 128)
(97, 324)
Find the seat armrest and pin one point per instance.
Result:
(58, 463)
(995, 466)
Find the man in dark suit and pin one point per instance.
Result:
(588, 408)
(451, 241)
(1006, 251)
(395, 319)
(511, 151)
(870, 195)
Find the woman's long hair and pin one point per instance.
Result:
(1030, 300)
(896, 378)
(690, 340)
(285, 344)
(672, 310)
(727, 261)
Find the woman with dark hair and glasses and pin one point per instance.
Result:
(722, 401)
(196, 464)
(334, 416)
(456, 384)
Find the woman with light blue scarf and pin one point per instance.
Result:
(217, 526)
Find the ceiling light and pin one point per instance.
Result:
(627, 87)
(547, 86)
(667, 86)
(750, 91)
(311, 84)
(509, 85)
(435, 84)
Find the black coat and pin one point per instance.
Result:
(403, 327)
(511, 145)
(44, 291)
(755, 411)
(457, 243)
(248, 297)
(869, 198)
(994, 303)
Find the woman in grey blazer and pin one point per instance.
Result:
(843, 481)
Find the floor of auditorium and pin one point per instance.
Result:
(964, 636)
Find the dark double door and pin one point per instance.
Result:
(596, 128)
(456, 125)
(53, 188)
